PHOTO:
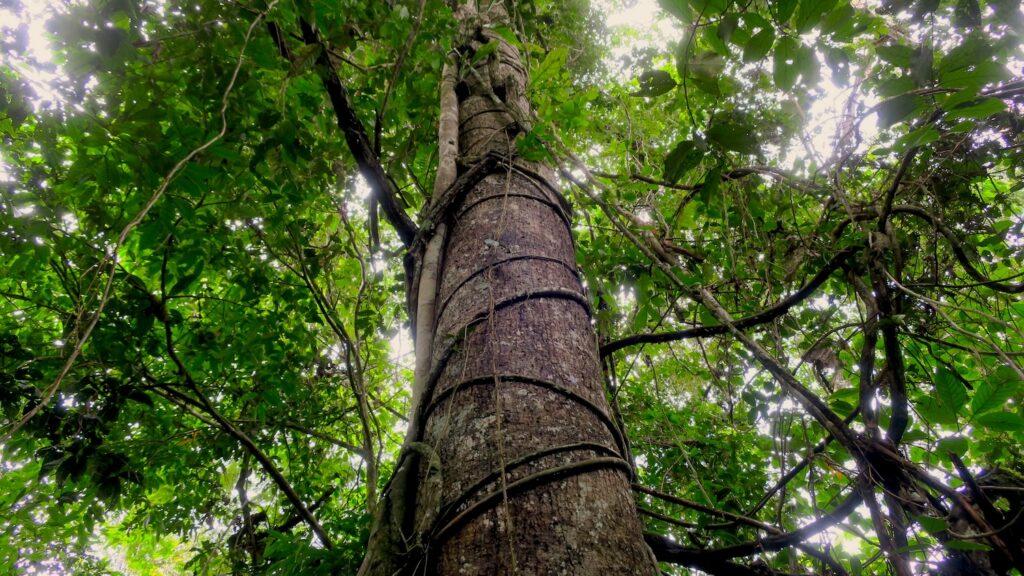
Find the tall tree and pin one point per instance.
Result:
(513, 463)
(797, 232)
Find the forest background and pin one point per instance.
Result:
(203, 322)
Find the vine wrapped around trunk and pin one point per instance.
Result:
(512, 463)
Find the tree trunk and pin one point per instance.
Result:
(532, 476)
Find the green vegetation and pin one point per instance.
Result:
(204, 350)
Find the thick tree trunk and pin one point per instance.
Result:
(512, 407)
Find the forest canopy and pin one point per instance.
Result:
(800, 224)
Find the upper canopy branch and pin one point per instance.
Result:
(761, 317)
(955, 244)
(669, 551)
(380, 183)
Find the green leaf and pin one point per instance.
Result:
(973, 49)
(784, 10)
(977, 110)
(842, 24)
(759, 45)
(733, 136)
(507, 34)
(654, 83)
(703, 68)
(185, 281)
(994, 391)
(678, 8)
(683, 158)
(921, 63)
(935, 412)
(920, 136)
(1001, 421)
(809, 14)
(784, 69)
(931, 524)
(552, 64)
(708, 8)
(303, 59)
(839, 62)
(923, 8)
(955, 444)
(726, 26)
(709, 188)
(486, 50)
(967, 545)
(978, 74)
(898, 55)
(897, 109)
(967, 14)
(951, 391)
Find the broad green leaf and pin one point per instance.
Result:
(486, 50)
(921, 63)
(706, 65)
(1001, 421)
(784, 10)
(654, 83)
(507, 34)
(711, 37)
(967, 13)
(972, 50)
(979, 74)
(839, 62)
(842, 23)
(993, 392)
(977, 110)
(759, 45)
(708, 8)
(185, 281)
(726, 26)
(920, 136)
(959, 97)
(683, 158)
(703, 69)
(897, 109)
(898, 55)
(951, 391)
(784, 68)
(552, 64)
(678, 8)
(935, 412)
(955, 444)
(733, 136)
(967, 545)
(709, 188)
(809, 14)
(933, 525)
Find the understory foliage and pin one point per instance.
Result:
(204, 350)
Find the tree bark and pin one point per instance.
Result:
(512, 408)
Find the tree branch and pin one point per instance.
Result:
(383, 187)
(668, 551)
(954, 243)
(766, 315)
(736, 518)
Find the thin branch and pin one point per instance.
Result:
(736, 518)
(669, 551)
(788, 476)
(369, 164)
(268, 465)
(767, 315)
(955, 245)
